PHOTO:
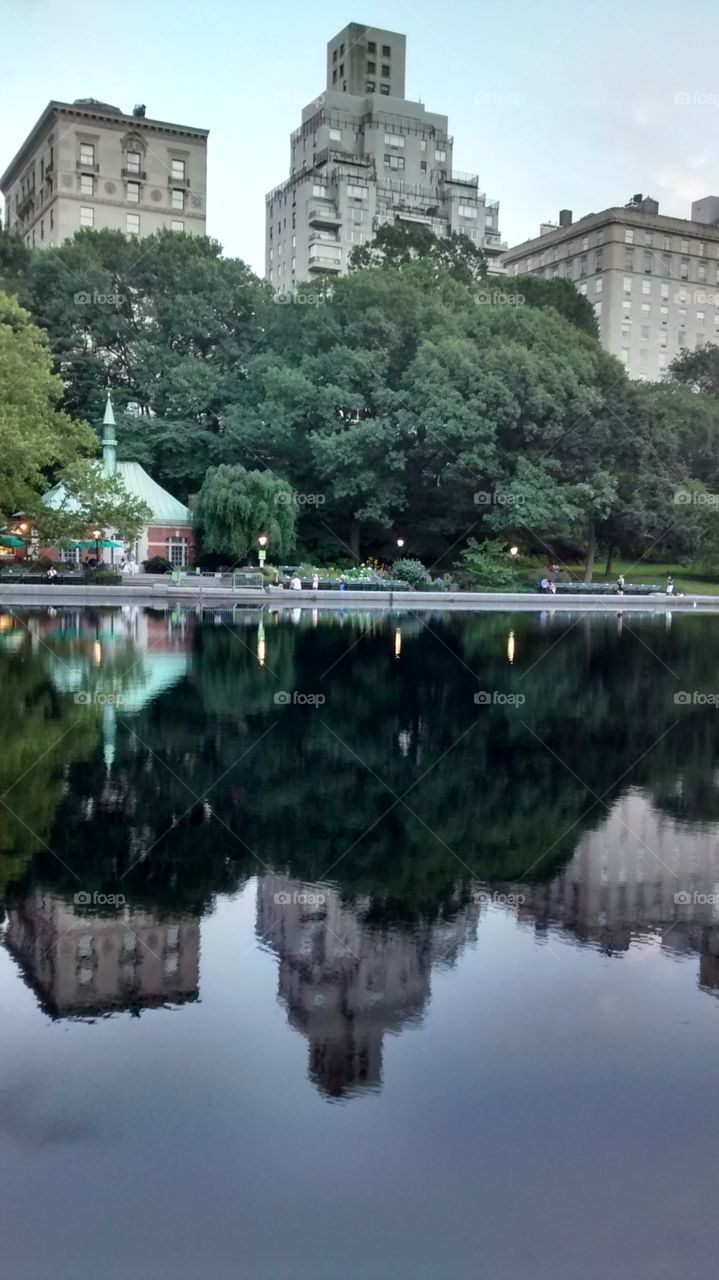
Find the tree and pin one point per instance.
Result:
(397, 245)
(35, 436)
(85, 498)
(698, 369)
(235, 506)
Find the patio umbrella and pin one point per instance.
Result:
(9, 540)
(99, 542)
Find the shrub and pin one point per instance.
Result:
(157, 564)
(413, 572)
(102, 578)
(486, 564)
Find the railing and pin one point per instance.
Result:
(324, 215)
(466, 179)
(324, 263)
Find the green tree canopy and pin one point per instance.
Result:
(89, 499)
(235, 506)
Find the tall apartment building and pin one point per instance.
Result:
(653, 280)
(363, 156)
(88, 164)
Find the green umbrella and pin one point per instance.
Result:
(8, 540)
(99, 542)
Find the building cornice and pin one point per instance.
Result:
(99, 115)
(617, 214)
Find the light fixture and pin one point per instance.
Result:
(400, 542)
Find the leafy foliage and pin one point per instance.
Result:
(235, 506)
(413, 572)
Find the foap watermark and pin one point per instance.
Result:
(494, 698)
(300, 298)
(685, 898)
(483, 498)
(84, 898)
(284, 499)
(695, 698)
(297, 699)
(498, 298)
(300, 898)
(98, 698)
(497, 98)
(692, 498)
(87, 297)
(484, 898)
(695, 98)
(697, 297)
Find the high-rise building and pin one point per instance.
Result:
(363, 156)
(653, 280)
(87, 164)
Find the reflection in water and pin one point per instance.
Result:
(88, 965)
(346, 982)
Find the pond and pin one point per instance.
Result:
(358, 943)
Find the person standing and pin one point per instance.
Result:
(620, 584)
(315, 582)
(296, 584)
(670, 585)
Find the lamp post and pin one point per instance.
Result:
(96, 535)
(514, 552)
(400, 543)
(262, 553)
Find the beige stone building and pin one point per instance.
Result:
(653, 280)
(88, 164)
(364, 155)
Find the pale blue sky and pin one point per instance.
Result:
(553, 102)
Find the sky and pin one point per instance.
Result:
(554, 103)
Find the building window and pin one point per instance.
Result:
(371, 46)
(440, 153)
(370, 86)
(132, 161)
(371, 68)
(682, 318)
(644, 332)
(627, 284)
(625, 355)
(646, 311)
(700, 319)
(87, 154)
(629, 260)
(335, 135)
(384, 90)
(87, 216)
(664, 315)
(598, 259)
(648, 261)
(319, 189)
(682, 339)
(133, 193)
(177, 170)
(684, 269)
(386, 51)
(357, 193)
(648, 239)
(467, 210)
(394, 162)
(646, 286)
(386, 70)
(628, 235)
(702, 272)
(423, 166)
(598, 285)
(177, 224)
(342, 68)
(666, 265)
(597, 309)
(683, 246)
(87, 184)
(132, 224)
(662, 360)
(178, 551)
(178, 198)
(626, 332)
(394, 140)
(423, 144)
(665, 292)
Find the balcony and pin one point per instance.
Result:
(320, 262)
(322, 237)
(134, 175)
(24, 205)
(457, 178)
(178, 182)
(328, 217)
(87, 168)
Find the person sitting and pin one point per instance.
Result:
(296, 584)
(544, 585)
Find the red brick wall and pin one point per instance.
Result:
(158, 539)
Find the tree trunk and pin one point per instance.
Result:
(591, 551)
(355, 539)
(610, 553)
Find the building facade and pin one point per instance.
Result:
(363, 156)
(653, 280)
(88, 164)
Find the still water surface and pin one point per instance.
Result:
(358, 945)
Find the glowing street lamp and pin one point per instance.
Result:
(97, 533)
(400, 543)
(262, 553)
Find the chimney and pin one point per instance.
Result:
(139, 109)
(565, 217)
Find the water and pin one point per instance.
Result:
(364, 945)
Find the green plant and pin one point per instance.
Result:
(413, 572)
(486, 564)
(157, 564)
(102, 578)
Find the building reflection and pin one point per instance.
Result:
(641, 875)
(82, 965)
(347, 982)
